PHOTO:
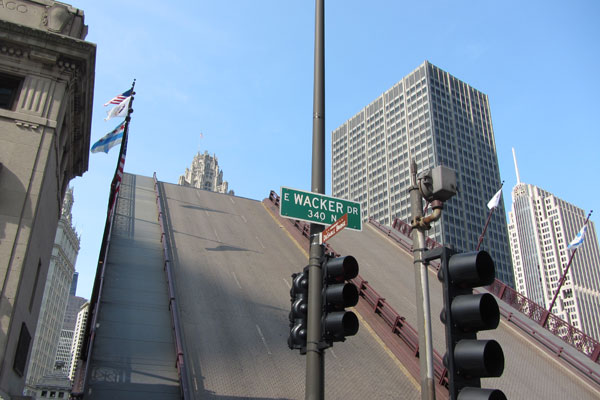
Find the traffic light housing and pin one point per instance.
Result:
(468, 359)
(337, 294)
(299, 311)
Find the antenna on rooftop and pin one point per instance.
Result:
(516, 166)
(199, 139)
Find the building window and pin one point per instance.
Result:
(9, 87)
(22, 350)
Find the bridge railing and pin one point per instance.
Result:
(562, 329)
(82, 368)
(399, 326)
(400, 233)
(379, 306)
(175, 323)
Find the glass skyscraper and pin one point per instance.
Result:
(436, 119)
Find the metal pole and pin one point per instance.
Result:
(560, 283)
(422, 290)
(315, 364)
(487, 222)
(563, 277)
(485, 228)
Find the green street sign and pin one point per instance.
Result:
(318, 208)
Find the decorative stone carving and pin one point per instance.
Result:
(11, 50)
(26, 125)
(56, 18)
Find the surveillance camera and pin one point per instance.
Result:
(438, 183)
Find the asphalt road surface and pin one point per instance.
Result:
(529, 373)
(233, 264)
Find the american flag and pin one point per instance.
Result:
(119, 99)
(118, 177)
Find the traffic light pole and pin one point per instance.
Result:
(315, 364)
(422, 290)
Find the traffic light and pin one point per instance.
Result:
(299, 311)
(337, 323)
(468, 359)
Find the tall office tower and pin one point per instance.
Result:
(78, 336)
(54, 301)
(436, 119)
(73, 290)
(64, 353)
(46, 93)
(205, 174)
(541, 226)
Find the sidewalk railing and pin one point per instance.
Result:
(562, 329)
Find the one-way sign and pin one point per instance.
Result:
(318, 208)
(334, 228)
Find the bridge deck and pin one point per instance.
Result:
(232, 260)
(233, 263)
(530, 372)
(133, 355)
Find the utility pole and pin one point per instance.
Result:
(422, 289)
(315, 363)
(436, 186)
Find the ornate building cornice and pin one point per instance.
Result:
(65, 59)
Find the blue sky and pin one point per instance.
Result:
(241, 73)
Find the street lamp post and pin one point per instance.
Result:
(315, 365)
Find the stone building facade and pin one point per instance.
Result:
(205, 173)
(46, 92)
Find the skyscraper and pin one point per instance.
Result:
(436, 119)
(56, 295)
(205, 173)
(541, 226)
(64, 352)
(78, 337)
(73, 290)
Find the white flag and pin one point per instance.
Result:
(119, 110)
(493, 203)
(578, 240)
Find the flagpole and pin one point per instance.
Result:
(563, 278)
(90, 329)
(114, 186)
(487, 223)
(485, 228)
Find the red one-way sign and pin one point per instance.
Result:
(334, 228)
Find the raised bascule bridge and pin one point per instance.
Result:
(192, 296)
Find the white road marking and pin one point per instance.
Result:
(289, 285)
(263, 339)
(231, 198)
(216, 235)
(244, 219)
(263, 246)
(236, 279)
(194, 375)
